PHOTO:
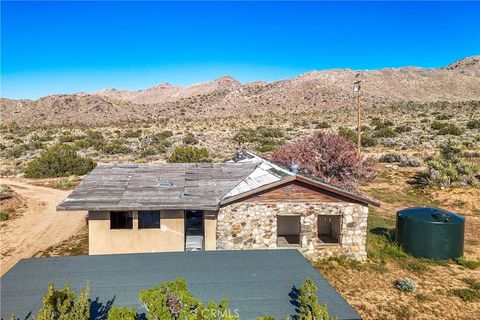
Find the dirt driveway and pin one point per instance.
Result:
(39, 227)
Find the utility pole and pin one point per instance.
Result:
(356, 89)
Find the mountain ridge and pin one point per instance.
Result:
(226, 96)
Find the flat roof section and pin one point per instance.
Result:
(255, 282)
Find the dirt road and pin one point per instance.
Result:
(39, 227)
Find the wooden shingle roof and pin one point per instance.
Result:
(156, 186)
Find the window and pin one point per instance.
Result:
(328, 229)
(121, 220)
(148, 219)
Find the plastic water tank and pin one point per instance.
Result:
(430, 233)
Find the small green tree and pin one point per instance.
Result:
(64, 304)
(116, 313)
(308, 307)
(189, 154)
(60, 160)
(170, 301)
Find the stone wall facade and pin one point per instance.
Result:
(246, 225)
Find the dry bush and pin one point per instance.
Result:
(329, 157)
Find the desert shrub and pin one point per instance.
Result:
(384, 132)
(467, 295)
(308, 306)
(450, 129)
(82, 144)
(189, 154)
(390, 158)
(473, 124)
(323, 125)
(329, 157)
(437, 125)
(450, 169)
(115, 147)
(472, 283)
(410, 161)
(443, 116)
(64, 304)
(3, 216)
(190, 139)
(150, 151)
(469, 264)
(58, 161)
(35, 145)
(116, 313)
(264, 139)
(403, 128)
(366, 139)
(16, 151)
(133, 133)
(162, 136)
(66, 138)
(406, 285)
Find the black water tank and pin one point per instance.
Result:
(430, 233)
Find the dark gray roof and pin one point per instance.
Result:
(156, 186)
(256, 282)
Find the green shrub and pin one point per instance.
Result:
(451, 129)
(190, 139)
(308, 306)
(37, 145)
(132, 133)
(3, 216)
(406, 285)
(162, 136)
(64, 304)
(189, 154)
(58, 161)
(469, 264)
(403, 128)
(17, 151)
(472, 283)
(151, 150)
(172, 300)
(323, 125)
(473, 124)
(265, 139)
(366, 139)
(467, 295)
(437, 125)
(116, 313)
(384, 132)
(115, 147)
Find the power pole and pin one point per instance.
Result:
(356, 89)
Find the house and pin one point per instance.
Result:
(255, 282)
(246, 203)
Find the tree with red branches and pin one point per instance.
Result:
(329, 157)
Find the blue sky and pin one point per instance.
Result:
(64, 47)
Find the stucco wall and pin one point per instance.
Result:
(103, 240)
(246, 225)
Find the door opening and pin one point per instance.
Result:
(194, 230)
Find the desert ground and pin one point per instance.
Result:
(34, 225)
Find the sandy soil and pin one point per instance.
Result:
(39, 227)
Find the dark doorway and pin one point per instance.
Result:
(194, 230)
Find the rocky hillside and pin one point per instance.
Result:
(226, 97)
